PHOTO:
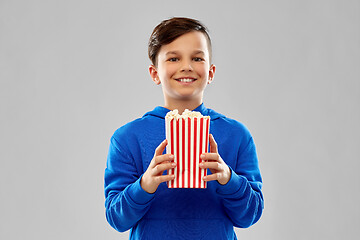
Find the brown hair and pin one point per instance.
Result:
(169, 30)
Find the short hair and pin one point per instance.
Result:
(169, 30)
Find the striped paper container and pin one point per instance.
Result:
(187, 139)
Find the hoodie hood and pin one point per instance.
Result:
(161, 112)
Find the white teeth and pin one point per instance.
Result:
(186, 80)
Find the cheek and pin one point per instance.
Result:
(168, 72)
(171, 70)
(203, 71)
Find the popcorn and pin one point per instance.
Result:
(188, 138)
(186, 114)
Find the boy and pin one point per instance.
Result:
(137, 197)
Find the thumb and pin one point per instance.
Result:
(213, 145)
(160, 149)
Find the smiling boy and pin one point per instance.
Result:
(183, 68)
(137, 197)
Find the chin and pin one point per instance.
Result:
(187, 97)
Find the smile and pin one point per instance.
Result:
(185, 80)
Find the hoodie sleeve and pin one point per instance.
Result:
(242, 197)
(126, 202)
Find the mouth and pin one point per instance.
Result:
(186, 80)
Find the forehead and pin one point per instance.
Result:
(188, 43)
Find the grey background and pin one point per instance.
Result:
(72, 72)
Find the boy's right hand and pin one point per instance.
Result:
(153, 175)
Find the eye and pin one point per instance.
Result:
(173, 59)
(198, 59)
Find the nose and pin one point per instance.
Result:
(186, 66)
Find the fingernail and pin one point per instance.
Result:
(201, 164)
(202, 155)
(171, 156)
(173, 164)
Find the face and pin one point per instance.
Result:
(183, 68)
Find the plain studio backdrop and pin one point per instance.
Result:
(72, 72)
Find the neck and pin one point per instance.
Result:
(181, 105)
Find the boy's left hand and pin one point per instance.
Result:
(212, 160)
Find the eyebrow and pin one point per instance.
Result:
(171, 52)
(199, 52)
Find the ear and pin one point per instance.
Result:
(154, 75)
(211, 73)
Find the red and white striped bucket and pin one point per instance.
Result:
(187, 139)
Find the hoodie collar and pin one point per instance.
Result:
(161, 112)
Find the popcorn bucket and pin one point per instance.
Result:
(188, 138)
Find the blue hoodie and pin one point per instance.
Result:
(209, 213)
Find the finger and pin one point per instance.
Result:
(210, 156)
(211, 177)
(163, 158)
(164, 178)
(160, 149)
(213, 145)
(162, 167)
(211, 165)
